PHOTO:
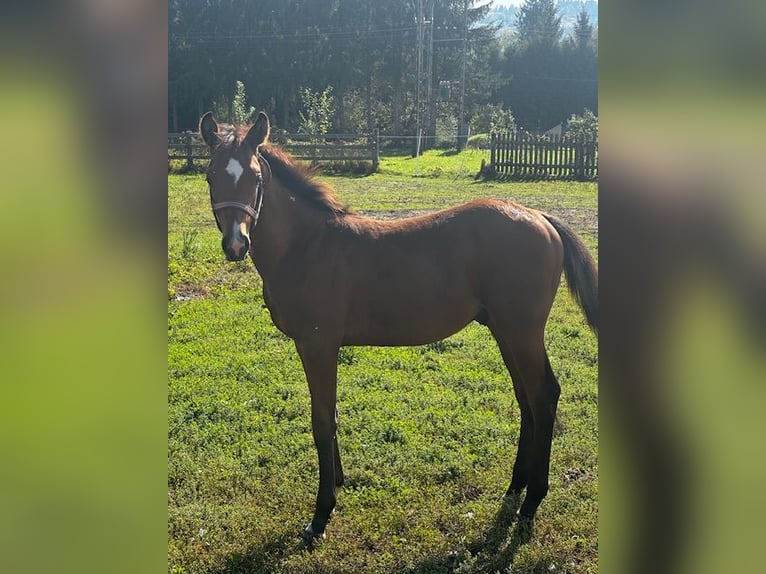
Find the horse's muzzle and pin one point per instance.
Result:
(235, 248)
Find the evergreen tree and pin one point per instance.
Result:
(534, 67)
(581, 55)
(582, 37)
(538, 22)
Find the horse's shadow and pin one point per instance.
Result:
(492, 552)
(261, 558)
(495, 551)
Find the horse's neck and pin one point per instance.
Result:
(286, 221)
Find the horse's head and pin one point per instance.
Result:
(235, 176)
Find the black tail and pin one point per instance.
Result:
(580, 270)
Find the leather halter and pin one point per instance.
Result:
(254, 208)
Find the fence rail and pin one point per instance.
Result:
(325, 148)
(526, 156)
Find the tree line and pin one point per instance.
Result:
(399, 66)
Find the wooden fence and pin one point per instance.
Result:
(328, 148)
(187, 146)
(526, 156)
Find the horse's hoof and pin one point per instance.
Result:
(309, 538)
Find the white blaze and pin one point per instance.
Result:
(234, 169)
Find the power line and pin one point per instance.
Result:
(557, 79)
(293, 35)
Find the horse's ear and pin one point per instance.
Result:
(259, 133)
(208, 129)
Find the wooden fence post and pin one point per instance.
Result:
(580, 158)
(376, 151)
(492, 151)
(189, 153)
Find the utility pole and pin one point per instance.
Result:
(430, 104)
(418, 126)
(368, 67)
(421, 106)
(461, 131)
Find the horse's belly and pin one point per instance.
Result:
(409, 323)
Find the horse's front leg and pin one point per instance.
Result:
(320, 360)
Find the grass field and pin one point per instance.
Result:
(427, 434)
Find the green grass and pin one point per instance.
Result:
(427, 434)
(434, 164)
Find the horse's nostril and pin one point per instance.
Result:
(235, 248)
(244, 248)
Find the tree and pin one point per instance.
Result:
(234, 110)
(459, 31)
(582, 36)
(241, 113)
(538, 23)
(547, 79)
(534, 66)
(581, 55)
(319, 111)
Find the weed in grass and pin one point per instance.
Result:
(189, 243)
(346, 356)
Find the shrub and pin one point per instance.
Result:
(492, 118)
(479, 141)
(319, 108)
(234, 110)
(584, 125)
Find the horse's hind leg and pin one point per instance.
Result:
(535, 383)
(543, 392)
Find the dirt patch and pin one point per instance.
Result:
(189, 291)
(581, 219)
(575, 474)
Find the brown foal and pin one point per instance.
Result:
(332, 278)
